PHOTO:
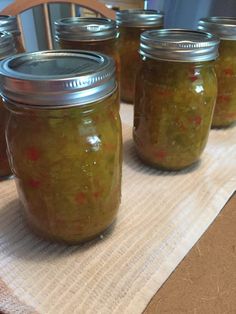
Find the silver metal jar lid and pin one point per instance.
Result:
(179, 45)
(139, 18)
(224, 27)
(59, 78)
(9, 24)
(85, 29)
(7, 45)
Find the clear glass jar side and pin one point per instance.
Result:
(5, 170)
(108, 47)
(225, 110)
(128, 47)
(67, 164)
(173, 111)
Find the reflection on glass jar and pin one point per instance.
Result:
(175, 95)
(225, 28)
(7, 48)
(65, 143)
(9, 24)
(131, 24)
(5, 170)
(96, 34)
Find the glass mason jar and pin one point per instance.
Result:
(64, 141)
(9, 24)
(97, 34)
(176, 89)
(225, 28)
(131, 24)
(7, 48)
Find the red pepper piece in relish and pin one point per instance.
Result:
(193, 75)
(223, 98)
(160, 154)
(228, 72)
(80, 198)
(32, 154)
(34, 183)
(193, 78)
(197, 120)
(97, 194)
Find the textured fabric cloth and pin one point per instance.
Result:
(161, 217)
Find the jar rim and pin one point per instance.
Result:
(7, 45)
(57, 78)
(85, 29)
(222, 26)
(139, 18)
(180, 45)
(8, 23)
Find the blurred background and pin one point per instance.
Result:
(178, 14)
(186, 13)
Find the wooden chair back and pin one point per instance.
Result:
(20, 6)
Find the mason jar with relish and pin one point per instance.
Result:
(9, 24)
(64, 141)
(7, 48)
(176, 90)
(97, 34)
(131, 24)
(225, 29)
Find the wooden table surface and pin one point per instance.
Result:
(205, 281)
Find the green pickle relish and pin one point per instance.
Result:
(131, 24)
(225, 29)
(65, 144)
(7, 48)
(175, 96)
(89, 33)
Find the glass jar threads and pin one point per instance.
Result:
(131, 24)
(7, 48)
(175, 95)
(225, 28)
(64, 141)
(97, 34)
(9, 24)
